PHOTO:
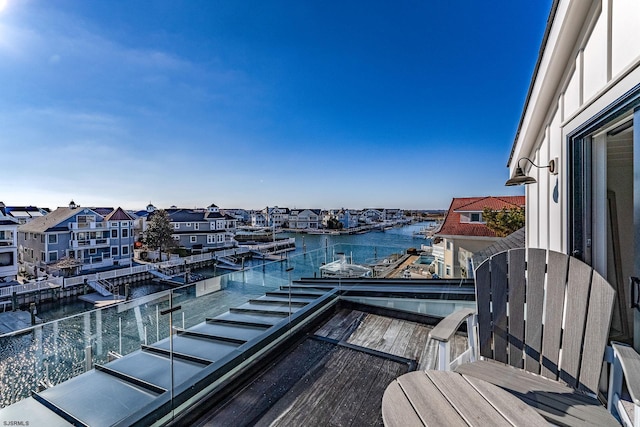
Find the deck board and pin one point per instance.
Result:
(370, 332)
(340, 326)
(257, 398)
(339, 386)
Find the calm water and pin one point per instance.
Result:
(55, 351)
(365, 248)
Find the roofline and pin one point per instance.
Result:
(467, 237)
(545, 38)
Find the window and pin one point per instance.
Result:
(114, 250)
(449, 245)
(43, 257)
(125, 233)
(42, 238)
(53, 256)
(212, 224)
(53, 239)
(176, 225)
(211, 239)
(196, 226)
(124, 224)
(175, 237)
(125, 250)
(114, 234)
(476, 217)
(220, 237)
(193, 239)
(6, 259)
(93, 251)
(448, 270)
(188, 224)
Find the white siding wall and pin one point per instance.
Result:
(604, 64)
(625, 43)
(594, 57)
(572, 91)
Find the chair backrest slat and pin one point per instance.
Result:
(578, 287)
(601, 300)
(557, 264)
(517, 286)
(499, 281)
(536, 269)
(568, 310)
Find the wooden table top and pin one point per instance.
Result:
(437, 398)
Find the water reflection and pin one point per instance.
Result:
(53, 352)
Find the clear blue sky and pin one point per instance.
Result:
(318, 104)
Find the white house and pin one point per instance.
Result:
(275, 216)
(580, 126)
(258, 219)
(8, 246)
(302, 219)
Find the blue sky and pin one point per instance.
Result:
(318, 104)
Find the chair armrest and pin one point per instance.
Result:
(630, 363)
(448, 326)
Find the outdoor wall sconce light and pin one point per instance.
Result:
(519, 178)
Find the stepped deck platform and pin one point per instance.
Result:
(142, 378)
(299, 344)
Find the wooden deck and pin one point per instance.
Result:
(337, 376)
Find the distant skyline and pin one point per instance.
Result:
(247, 104)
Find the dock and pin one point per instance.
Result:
(100, 301)
(13, 321)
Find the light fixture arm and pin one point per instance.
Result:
(551, 166)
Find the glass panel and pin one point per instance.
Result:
(580, 203)
(49, 354)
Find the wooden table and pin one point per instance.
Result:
(437, 398)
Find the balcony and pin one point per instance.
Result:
(89, 243)
(7, 242)
(88, 226)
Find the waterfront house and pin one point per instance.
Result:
(8, 246)
(276, 217)
(464, 232)
(242, 216)
(304, 219)
(372, 216)
(394, 215)
(24, 214)
(197, 229)
(580, 126)
(258, 219)
(347, 219)
(93, 237)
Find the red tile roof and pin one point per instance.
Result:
(452, 225)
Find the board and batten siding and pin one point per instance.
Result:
(591, 58)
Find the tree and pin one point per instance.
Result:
(334, 224)
(159, 232)
(504, 221)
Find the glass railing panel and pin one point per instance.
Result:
(54, 352)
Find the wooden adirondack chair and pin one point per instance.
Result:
(542, 327)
